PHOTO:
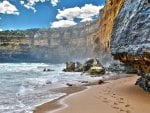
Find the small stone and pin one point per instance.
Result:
(68, 84)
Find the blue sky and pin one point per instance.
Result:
(25, 14)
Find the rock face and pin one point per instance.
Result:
(49, 45)
(130, 40)
(107, 17)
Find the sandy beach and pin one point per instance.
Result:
(116, 96)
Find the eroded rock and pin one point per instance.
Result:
(130, 40)
(91, 66)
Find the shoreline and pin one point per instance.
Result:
(117, 96)
(58, 104)
(54, 104)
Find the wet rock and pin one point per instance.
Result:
(78, 67)
(47, 70)
(70, 67)
(68, 84)
(96, 70)
(144, 82)
(91, 66)
(48, 82)
(100, 82)
(122, 68)
(87, 65)
(84, 81)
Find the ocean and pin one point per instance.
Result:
(24, 86)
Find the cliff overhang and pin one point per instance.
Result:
(130, 38)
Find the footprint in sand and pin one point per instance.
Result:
(122, 110)
(115, 103)
(115, 107)
(128, 111)
(127, 105)
(105, 101)
(105, 98)
(121, 102)
(121, 98)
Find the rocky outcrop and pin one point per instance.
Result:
(107, 17)
(130, 40)
(49, 45)
(91, 66)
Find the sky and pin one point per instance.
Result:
(27, 14)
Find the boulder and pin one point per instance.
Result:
(96, 70)
(144, 82)
(90, 63)
(70, 67)
(92, 66)
(78, 67)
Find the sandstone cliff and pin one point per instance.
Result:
(52, 45)
(107, 17)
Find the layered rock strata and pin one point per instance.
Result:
(49, 45)
(130, 39)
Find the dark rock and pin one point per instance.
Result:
(90, 63)
(44, 69)
(70, 67)
(68, 84)
(84, 81)
(48, 82)
(144, 82)
(100, 82)
(122, 68)
(47, 70)
(50, 70)
(78, 67)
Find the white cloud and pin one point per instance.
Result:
(1, 30)
(63, 23)
(7, 8)
(86, 19)
(22, 2)
(54, 2)
(85, 13)
(31, 3)
(69, 13)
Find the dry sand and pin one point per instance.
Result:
(117, 96)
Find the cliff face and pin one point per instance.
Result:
(130, 40)
(107, 17)
(52, 45)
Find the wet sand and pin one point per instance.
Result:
(52, 105)
(116, 96)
